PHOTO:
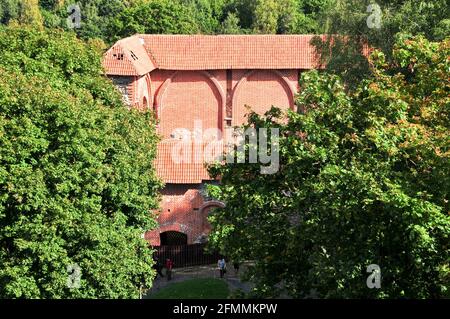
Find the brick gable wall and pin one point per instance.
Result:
(185, 78)
(181, 210)
(217, 98)
(187, 97)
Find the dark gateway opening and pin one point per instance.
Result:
(173, 238)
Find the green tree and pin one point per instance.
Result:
(110, 20)
(77, 184)
(302, 16)
(281, 16)
(231, 25)
(158, 16)
(363, 179)
(348, 23)
(96, 15)
(30, 13)
(9, 10)
(243, 9)
(52, 4)
(266, 14)
(289, 16)
(206, 13)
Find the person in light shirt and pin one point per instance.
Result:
(222, 267)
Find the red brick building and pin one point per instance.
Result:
(209, 80)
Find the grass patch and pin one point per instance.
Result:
(201, 288)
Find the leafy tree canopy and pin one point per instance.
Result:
(162, 16)
(376, 24)
(363, 179)
(110, 20)
(76, 179)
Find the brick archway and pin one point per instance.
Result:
(145, 103)
(211, 204)
(148, 79)
(276, 75)
(154, 236)
(158, 102)
(171, 238)
(203, 211)
(160, 93)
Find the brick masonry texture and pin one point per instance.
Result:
(208, 80)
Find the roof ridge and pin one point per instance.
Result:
(226, 35)
(150, 53)
(218, 52)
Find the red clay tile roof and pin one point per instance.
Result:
(128, 57)
(140, 54)
(211, 52)
(193, 172)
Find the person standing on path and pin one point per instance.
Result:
(236, 267)
(169, 266)
(222, 267)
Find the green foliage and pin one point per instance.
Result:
(281, 16)
(110, 20)
(25, 12)
(364, 179)
(266, 15)
(201, 288)
(9, 10)
(231, 25)
(349, 18)
(302, 17)
(96, 17)
(30, 13)
(206, 13)
(76, 178)
(161, 16)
